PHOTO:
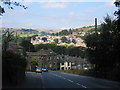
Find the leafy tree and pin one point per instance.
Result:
(10, 5)
(103, 49)
(44, 39)
(57, 34)
(6, 38)
(34, 37)
(64, 32)
(63, 39)
(70, 31)
(74, 41)
(13, 68)
(2, 10)
(60, 49)
(68, 41)
(34, 63)
(45, 46)
(56, 40)
(13, 65)
(27, 46)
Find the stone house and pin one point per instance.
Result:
(44, 58)
(52, 61)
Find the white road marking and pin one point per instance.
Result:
(78, 84)
(83, 86)
(64, 78)
(69, 80)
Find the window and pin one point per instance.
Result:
(68, 64)
(62, 63)
(62, 68)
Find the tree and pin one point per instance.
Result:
(13, 65)
(74, 41)
(6, 38)
(70, 31)
(10, 5)
(64, 32)
(103, 49)
(2, 10)
(27, 46)
(44, 39)
(63, 39)
(13, 68)
(56, 40)
(34, 63)
(68, 41)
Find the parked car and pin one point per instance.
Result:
(38, 70)
(44, 69)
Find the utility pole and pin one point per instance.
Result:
(96, 26)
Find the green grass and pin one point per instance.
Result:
(26, 35)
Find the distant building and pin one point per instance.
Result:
(50, 39)
(45, 58)
(52, 61)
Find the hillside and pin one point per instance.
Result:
(86, 29)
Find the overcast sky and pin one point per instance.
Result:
(57, 15)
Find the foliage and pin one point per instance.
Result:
(13, 68)
(56, 40)
(66, 50)
(34, 63)
(44, 39)
(2, 10)
(64, 32)
(44, 33)
(6, 38)
(68, 41)
(63, 39)
(28, 46)
(103, 49)
(10, 4)
(74, 41)
(13, 65)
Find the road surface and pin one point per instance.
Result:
(56, 79)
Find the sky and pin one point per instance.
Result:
(56, 15)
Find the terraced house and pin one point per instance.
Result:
(52, 61)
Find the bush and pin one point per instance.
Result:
(13, 68)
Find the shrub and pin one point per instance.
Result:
(13, 68)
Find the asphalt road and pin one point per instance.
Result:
(56, 79)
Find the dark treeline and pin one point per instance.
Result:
(65, 50)
(63, 32)
(104, 49)
(13, 64)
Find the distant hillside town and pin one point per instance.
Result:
(59, 40)
(62, 37)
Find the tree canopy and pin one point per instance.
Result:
(10, 4)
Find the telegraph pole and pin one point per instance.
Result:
(96, 26)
